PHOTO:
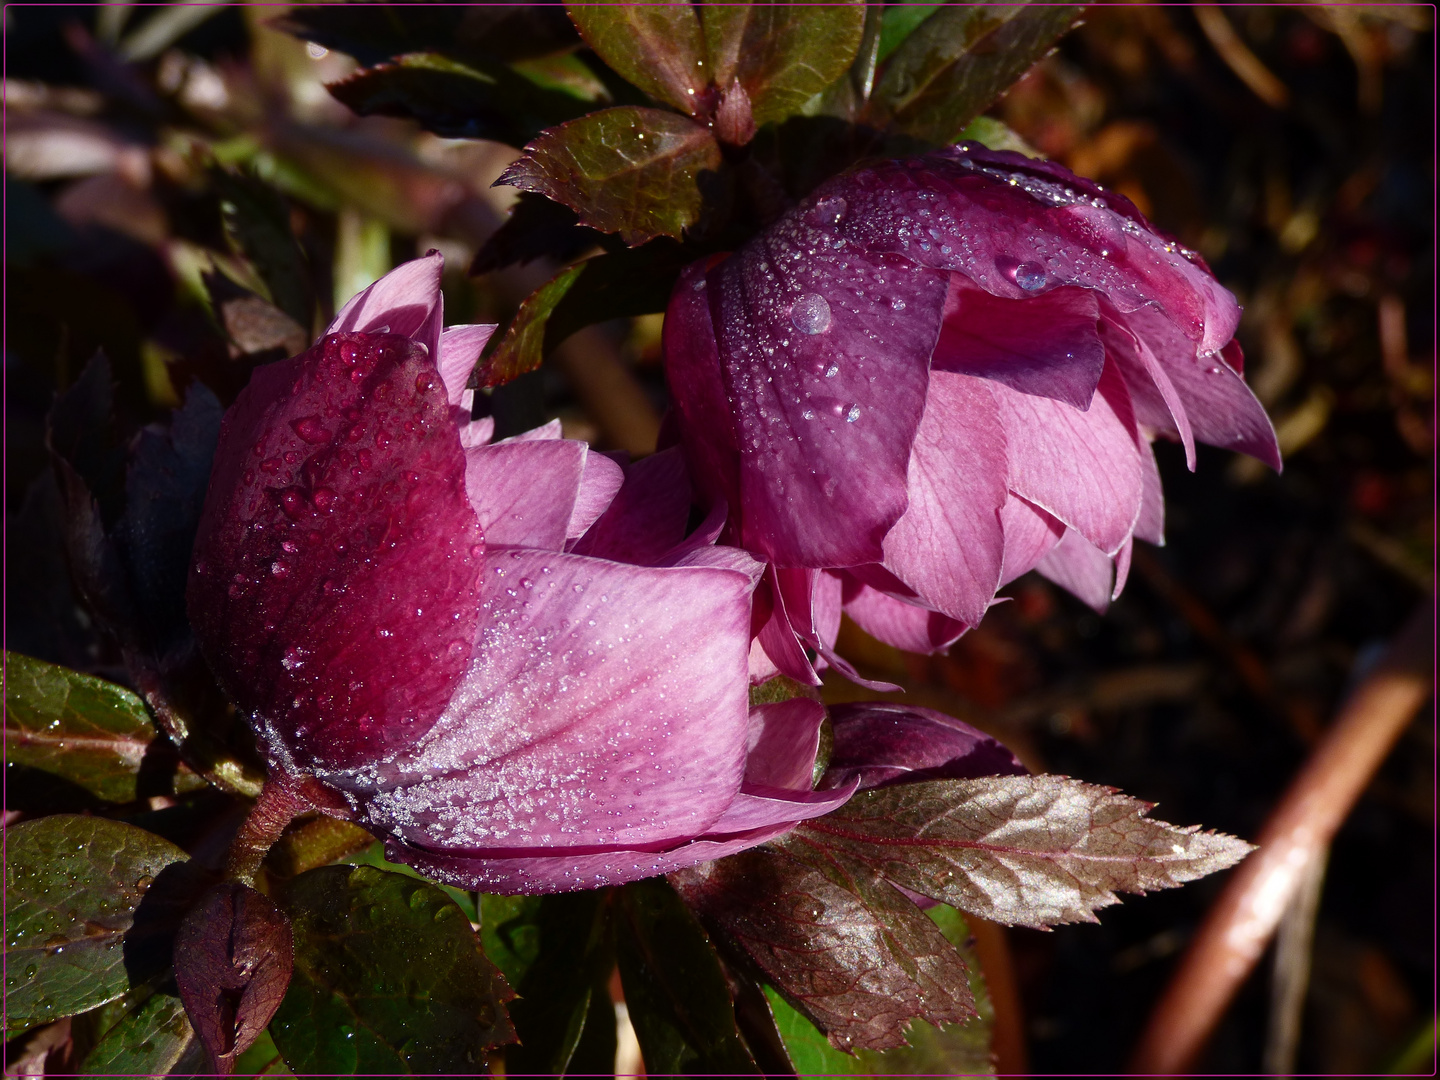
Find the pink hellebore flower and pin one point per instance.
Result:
(503, 657)
(934, 375)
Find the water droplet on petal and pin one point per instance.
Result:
(811, 314)
(1030, 276)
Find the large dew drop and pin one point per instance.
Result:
(1031, 276)
(811, 314)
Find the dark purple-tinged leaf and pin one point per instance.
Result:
(318, 842)
(884, 743)
(87, 731)
(675, 990)
(375, 32)
(233, 957)
(81, 432)
(147, 1040)
(522, 347)
(899, 22)
(615, 285)
(558, 952)
(389, 978)
(657, 47)
(473, 99)
(849, 950)
(955, 1050)
(536, 228)
(1019, 850)
(72, 886)
(956, 63)
(253, 324)
(782, 54)
(257, 224)
(634, 171)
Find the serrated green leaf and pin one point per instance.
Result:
(373, 854)
(257, 224)
(957, 62)
(389, 978)
(146, 1041)
(72, 885)
(996, 135)
(783, 54)
(474, 99)
(676, 992)
(657, 47)
(522, 348)
(80, 728)
(617, 285)
(638, 172)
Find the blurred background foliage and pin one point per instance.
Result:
(171, 172)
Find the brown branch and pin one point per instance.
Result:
(1239, 59)
(1299, 830)
(1007, 1041)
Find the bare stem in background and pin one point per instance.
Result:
(1299, 831)
(1290, 979)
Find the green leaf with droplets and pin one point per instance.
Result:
(145, 1041)
(389, 978)
(81, 729)
(72, 885)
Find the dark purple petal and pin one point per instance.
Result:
(606, 706)
(1018, 228)
(1080, 567)
(1030, 533)
(948, 545)
(781, 745)
(647, 517)
(1045, 345)
(406, 301)
(900, 623)
(878, 743)
(524, 492)
(824, 351)
(335, 585)
(1082, 467)
(777, 634)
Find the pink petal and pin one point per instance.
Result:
(1150, 525)
(1140, 367)
(1080, 567)
(407, 300)
(781, 746)
(606, 706)
(1122, 568)
(1045, 345)
(460, 348)
(1082, 467)
(599, 482)
(880, 743)
(648, 515)
(948, 545)
(477, 432)
(335, 583)
(524, 492)
(900, 623)
(1030, 533)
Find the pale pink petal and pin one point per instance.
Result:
(1137, 362)
(524, 492)
(1082, 467)
(948, 545)
(599, 482)
(460, 348)
(1150, 525)
(1122, 568)
(542, 433)
(1030, 533)
(1080, 567)
(407, 301)
(782, 742)
(904, 625)
(477, 432)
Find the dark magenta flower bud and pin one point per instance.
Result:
(934, 375)
(506, 657)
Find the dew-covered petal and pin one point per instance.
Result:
(1030, 533)
(524, 492)
(880, 743)
(948, 545)
(1082, 467)
(460, 348)
(606, 706)
(335, 584)
(600, 479)
(903, 624)
(1019, 227)
(647, 517)
(1081, 568)
(1046, 345)
(1222, 409)
(782, 742)
(824, 354)
(406, 301)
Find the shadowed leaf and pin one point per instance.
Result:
(473, 99)
(559, 953)
(522, 348)
(536, 228)
(633, 171)
(318, 842)
(618, 284)
(72, 885)
(783, 54)
(147, 1040)
(389, 978)
(375, 32)
(657, 47)
(232, 964)
(1026, 850)
(956, 63)
(676, 992)
(846, 948)
(82, 729)
(257, 224)
(898, 23)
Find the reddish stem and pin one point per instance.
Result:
(1299, 830)
(279, 804)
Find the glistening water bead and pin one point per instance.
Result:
(811, 314)
(1030, 276)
